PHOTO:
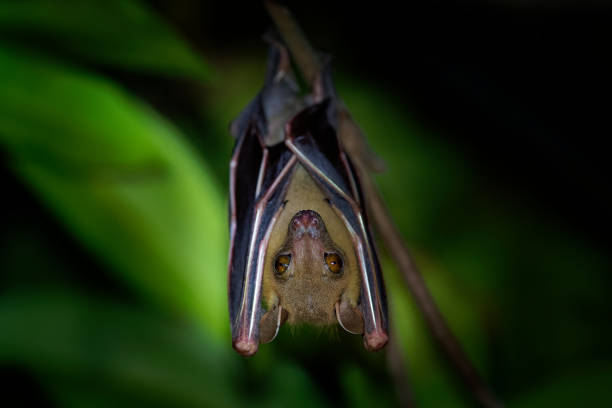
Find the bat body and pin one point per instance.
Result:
(301, 250)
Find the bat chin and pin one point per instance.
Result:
(307, 315)
(305, 320)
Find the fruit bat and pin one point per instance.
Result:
(300, 246)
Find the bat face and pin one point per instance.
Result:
(308, 272)
(310, 261)
(301, 250)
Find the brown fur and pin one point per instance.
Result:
(309, 291)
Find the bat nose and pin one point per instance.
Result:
(306, 218)
(307, 221)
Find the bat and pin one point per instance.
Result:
(300, 246)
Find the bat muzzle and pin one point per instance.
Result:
(306, 222)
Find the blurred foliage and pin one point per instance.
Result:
(121, 177)
(122, 300)
(117, 33)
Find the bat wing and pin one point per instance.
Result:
(260, 171)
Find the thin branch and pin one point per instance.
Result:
(296, 41)
(356, 146)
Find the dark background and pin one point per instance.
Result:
(518, 86)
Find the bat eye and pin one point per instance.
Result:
(282, 264)
(334, 262)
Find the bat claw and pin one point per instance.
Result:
(375, 340)
(246, 347)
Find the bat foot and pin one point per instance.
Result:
(375, 340)
(246, 347)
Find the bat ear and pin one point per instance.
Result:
(270, 323)
(349, 317)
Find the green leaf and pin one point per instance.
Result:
(122, 179)
(115, 33)
(93, 352)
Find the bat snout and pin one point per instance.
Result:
(306, 222)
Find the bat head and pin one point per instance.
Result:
(309, 275)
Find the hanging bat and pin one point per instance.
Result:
(301, 250)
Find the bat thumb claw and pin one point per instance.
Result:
(375, 340)
(246, 347)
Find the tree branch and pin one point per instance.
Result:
(303, 54)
